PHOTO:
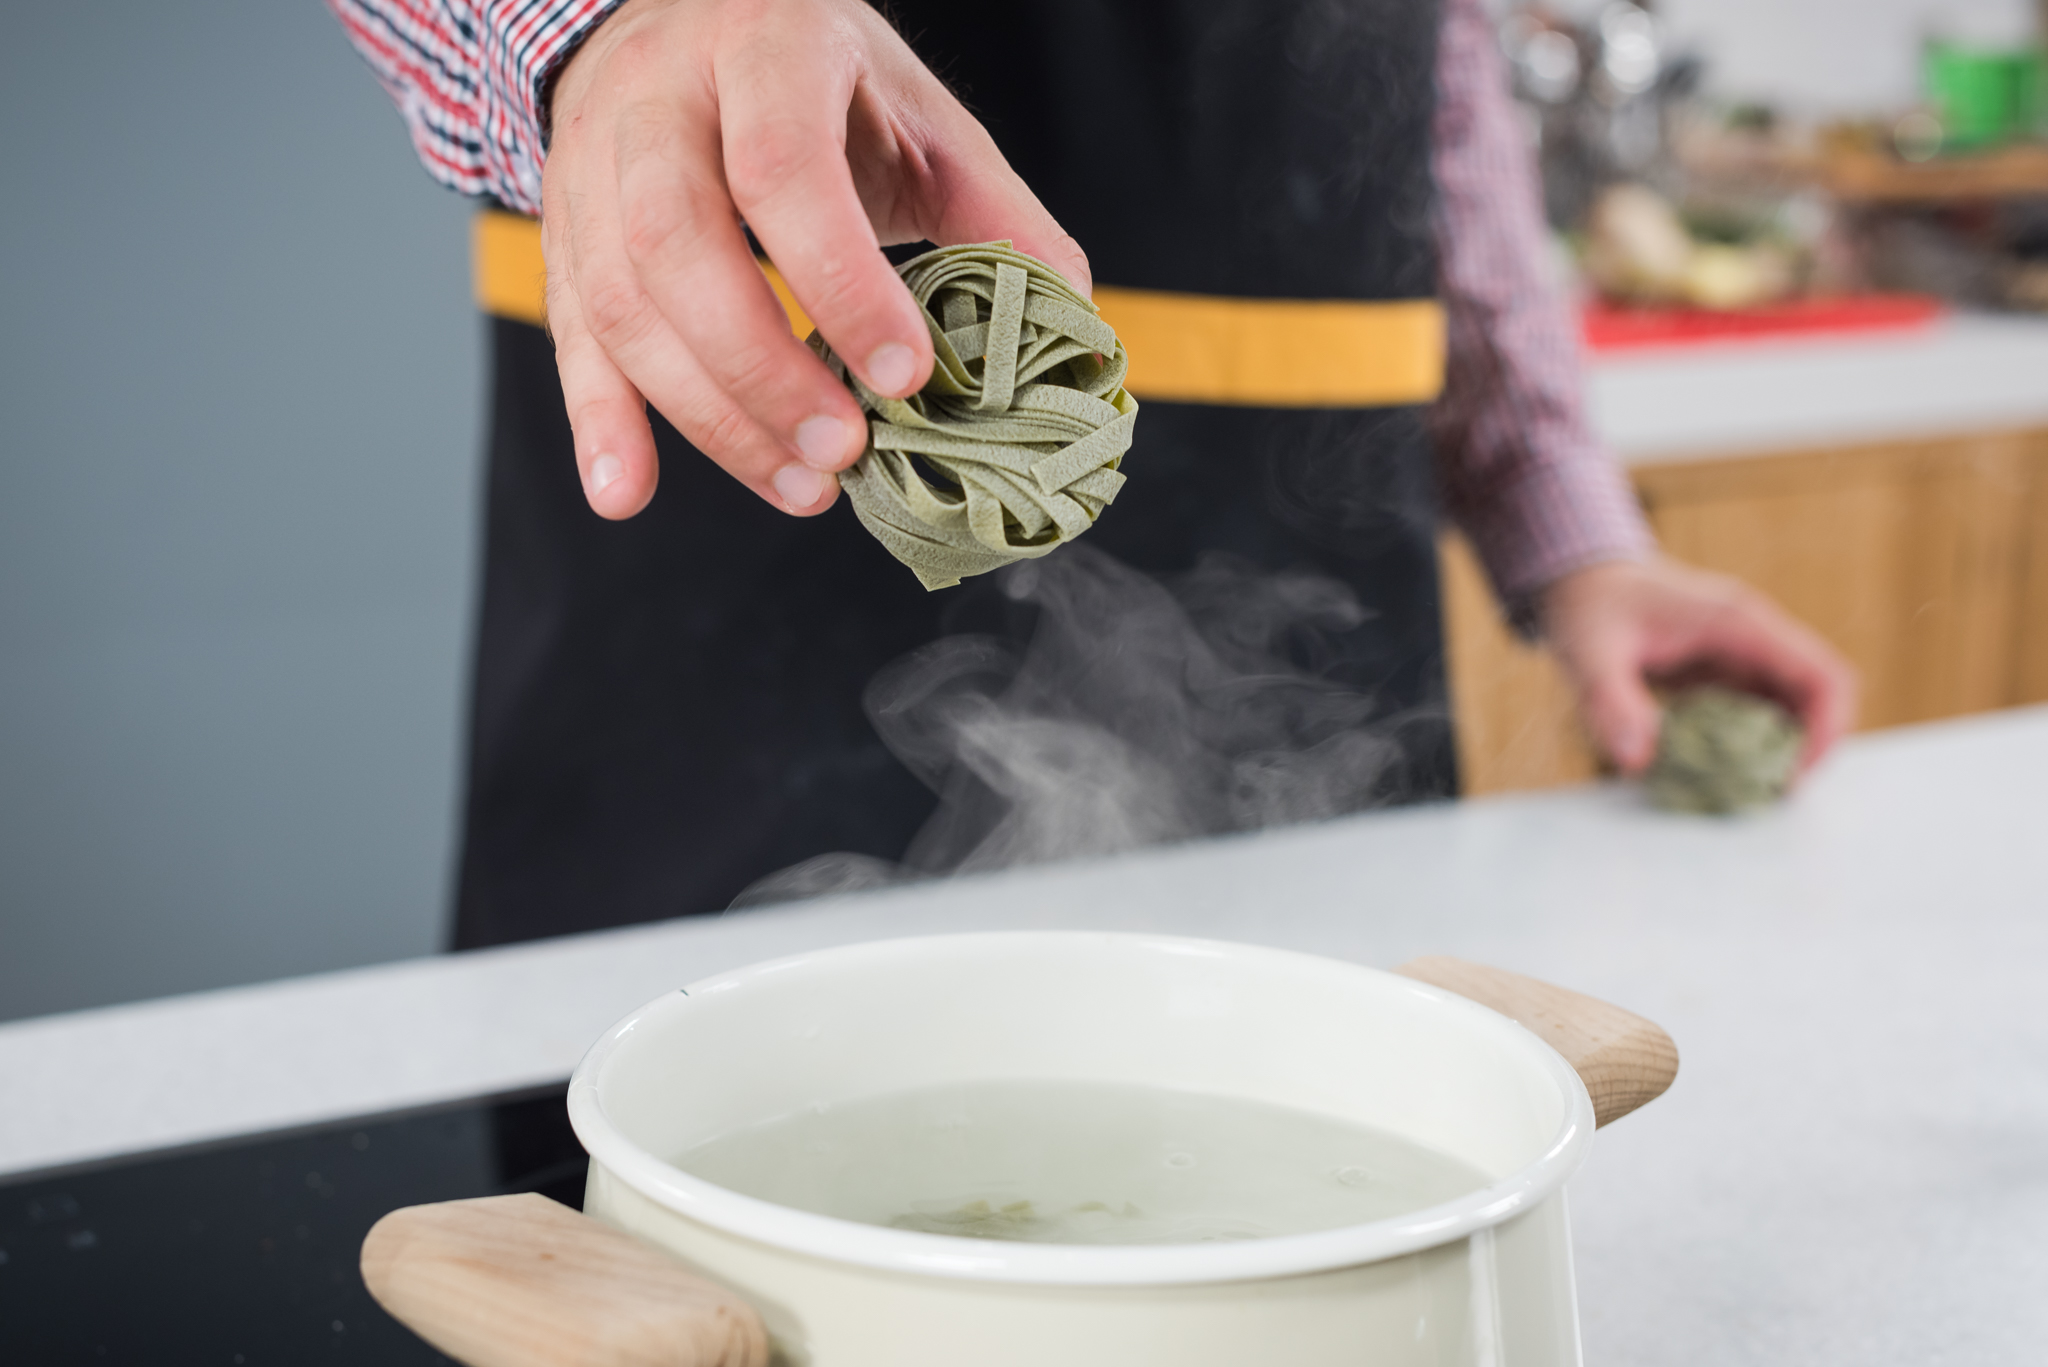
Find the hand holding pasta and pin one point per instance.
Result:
(682, 126)
(1723, 751)
(1013, 447)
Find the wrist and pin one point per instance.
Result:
(568, 75)
(1566, 596)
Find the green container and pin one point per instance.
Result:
(2034, 95)
(1984, 97)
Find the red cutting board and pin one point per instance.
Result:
(1610, 328)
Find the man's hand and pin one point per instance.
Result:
(1620, 627)
(811, 122)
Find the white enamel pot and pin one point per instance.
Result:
(1485, 1279)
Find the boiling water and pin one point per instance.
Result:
(1079, 1163)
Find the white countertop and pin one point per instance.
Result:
(1964, 373)
(1850, 1168)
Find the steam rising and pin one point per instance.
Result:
(1142, 711)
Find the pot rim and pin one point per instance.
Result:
(949, 1257)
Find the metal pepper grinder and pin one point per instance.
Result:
(1599, 96)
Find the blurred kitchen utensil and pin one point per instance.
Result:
(1599, 92)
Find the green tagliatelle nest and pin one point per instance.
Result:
(1721, 751)
(1012, 446)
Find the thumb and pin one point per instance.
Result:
(1622, 715)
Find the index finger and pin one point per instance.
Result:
(783, 110)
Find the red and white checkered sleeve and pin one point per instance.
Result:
(471, 79)
(1521, 468)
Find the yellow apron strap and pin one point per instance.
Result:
(1193, 348)
(509, 278)
(1278, 353)
(507, 274)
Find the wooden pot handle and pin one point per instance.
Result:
(522, 1281)
(1625, 1061)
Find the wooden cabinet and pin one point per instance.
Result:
(1512, 711)
(2030, 671)
(1925, 562)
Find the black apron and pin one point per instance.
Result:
(669, 708)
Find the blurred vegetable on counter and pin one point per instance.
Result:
(1639, 250)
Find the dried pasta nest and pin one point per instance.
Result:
(1013, 447)
(1721, 751)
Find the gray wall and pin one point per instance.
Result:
(239, 415)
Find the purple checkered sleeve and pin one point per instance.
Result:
(1521, 469)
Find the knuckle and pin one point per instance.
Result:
(753, 368)
(836, 294)
(652, 226)
(768, 156)
(591, 412)
(614, 310)
(722, 432)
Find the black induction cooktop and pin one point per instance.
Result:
(244, 1252)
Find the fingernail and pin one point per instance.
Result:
(891, 367)
(800, 487)
(822, 440)
(604, 472)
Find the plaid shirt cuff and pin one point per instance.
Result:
(1553, 519)
(471, 80)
